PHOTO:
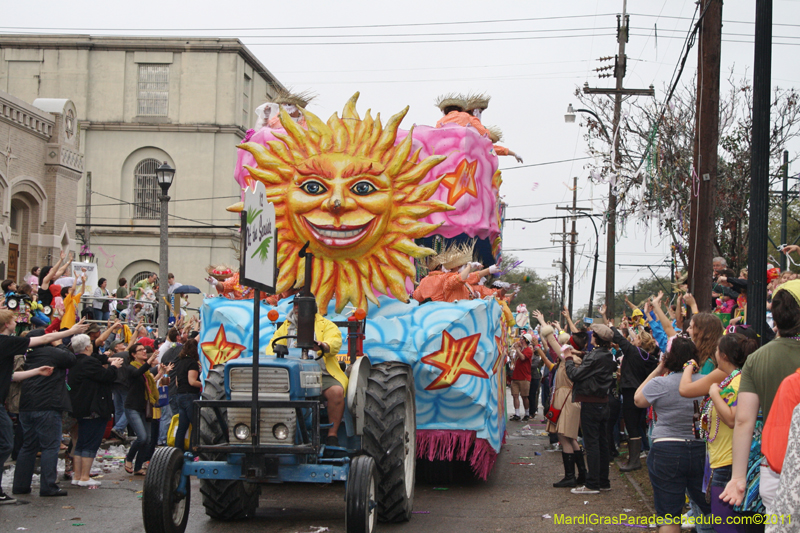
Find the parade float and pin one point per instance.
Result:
(374, 201)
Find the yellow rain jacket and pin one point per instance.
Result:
(324, 331)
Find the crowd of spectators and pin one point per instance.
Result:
(77, 371)
(709, 403)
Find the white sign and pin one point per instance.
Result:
(259, 251)
(91, 275)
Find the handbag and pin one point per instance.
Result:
(752, 499)
(552, 414)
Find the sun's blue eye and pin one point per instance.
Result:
(363, 188)
(313, 187)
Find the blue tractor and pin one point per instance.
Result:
(260, 422)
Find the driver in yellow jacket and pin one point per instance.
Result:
(328, 340)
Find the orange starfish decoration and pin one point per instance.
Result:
(461, 181)
(220, 351)
(501, 355)
(454, 358)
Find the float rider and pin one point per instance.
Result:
(328, 341)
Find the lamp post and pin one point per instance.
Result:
(569, 118)
(164, 175)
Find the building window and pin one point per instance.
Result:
(153, 90)
(146, 190)
(13, 219)
(246, 101)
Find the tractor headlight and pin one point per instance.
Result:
(311, 380)
(241, 431)
(280, 431)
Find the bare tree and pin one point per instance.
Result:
(655, 180)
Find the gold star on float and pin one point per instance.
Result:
(501, 354)
(454, 358)
(220, 351)
(461, 181)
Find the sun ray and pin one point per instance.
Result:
(347, 269)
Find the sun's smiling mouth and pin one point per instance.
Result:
(339, 236)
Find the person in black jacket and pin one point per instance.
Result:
(142, 395)
(41, 403)
(92, 404)
(640, 358)
(591, 382)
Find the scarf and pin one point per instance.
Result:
(151, 390)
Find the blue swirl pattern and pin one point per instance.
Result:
(402, 332)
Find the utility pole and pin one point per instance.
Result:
(573, 240)
(563, 263)
(87, 212)
(619, 91)
(784, 205)
(759, 175)
(706, 140)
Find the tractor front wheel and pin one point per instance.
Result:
(360, 495)
(164, 509)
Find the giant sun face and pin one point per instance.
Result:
(347, 189)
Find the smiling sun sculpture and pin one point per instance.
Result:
(345, 187)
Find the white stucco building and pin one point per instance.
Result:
(140, 102)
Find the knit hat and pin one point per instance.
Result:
(603, 332)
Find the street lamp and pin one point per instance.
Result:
(164, 176)
(569, 118)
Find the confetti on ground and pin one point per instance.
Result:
(139, 491)
(585, 503)
(546, 516)
(22, 529)
(525, 464)
(79, 524)
(536, 453)
(627, 510)
(67, 507)
(420, 512)
(440, 488)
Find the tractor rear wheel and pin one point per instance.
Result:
(390, 437)
(223, 499)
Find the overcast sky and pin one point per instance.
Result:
(529, 56)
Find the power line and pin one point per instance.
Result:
(547, 163)
(724, 21)
(143, 206)
(356, 26)
(171, 201)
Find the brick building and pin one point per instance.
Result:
(41, 163)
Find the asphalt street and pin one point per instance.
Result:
(517, 497)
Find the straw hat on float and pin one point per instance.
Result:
(456, 255)
(285, 97)
(451, 100)
(477, 101)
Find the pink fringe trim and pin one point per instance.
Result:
(458, 445)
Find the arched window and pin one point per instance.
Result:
(139, 277)
(146, 190)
